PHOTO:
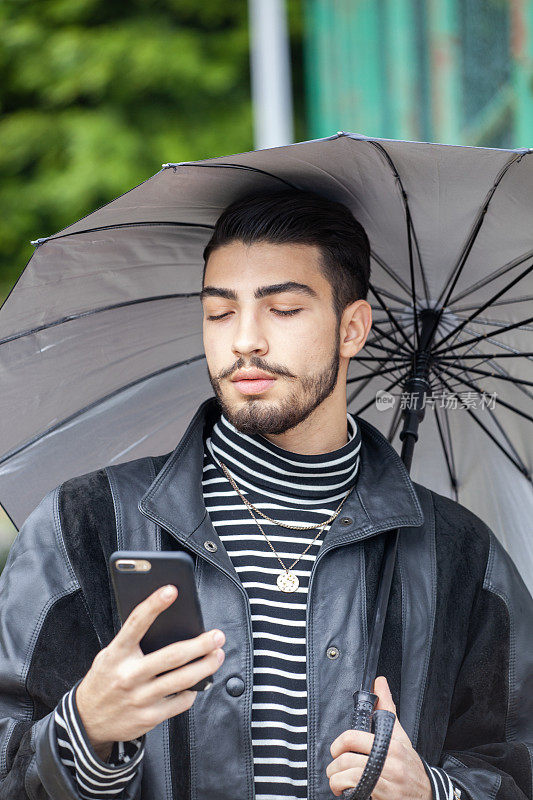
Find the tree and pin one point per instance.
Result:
(95, 96)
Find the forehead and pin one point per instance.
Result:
(246, 268)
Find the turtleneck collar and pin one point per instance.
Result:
(259, 466)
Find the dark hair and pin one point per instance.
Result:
(302, 217)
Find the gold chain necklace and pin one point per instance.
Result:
(287, 581)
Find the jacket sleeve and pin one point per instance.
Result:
(488, 750)
(47, 644)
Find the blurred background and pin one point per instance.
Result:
(95, 96)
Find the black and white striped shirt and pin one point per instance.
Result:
(96, 779)
(298, 490)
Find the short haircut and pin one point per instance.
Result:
(302, 217)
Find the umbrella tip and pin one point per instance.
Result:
(37, 242)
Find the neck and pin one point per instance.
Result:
(322, 431)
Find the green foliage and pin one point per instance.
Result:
(95, 96)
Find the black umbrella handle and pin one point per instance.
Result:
(380, 723)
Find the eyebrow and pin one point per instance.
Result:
(261, 291)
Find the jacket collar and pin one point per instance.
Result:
(383, 498)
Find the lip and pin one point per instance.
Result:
(252, 375)
(257, 386)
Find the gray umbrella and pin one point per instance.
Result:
(101, 355)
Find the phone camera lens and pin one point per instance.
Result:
(126, 566)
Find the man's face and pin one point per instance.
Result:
(300, 351)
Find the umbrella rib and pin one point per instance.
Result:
(494, 375)
(389, 293)
(515, 381)
(390, 316)
(483, 359)
(376, 344)
(521, 468)
(486, 358)
(525, 299)
(236, 166)
(20, 448)
(118, 225)
(476, 389)
(410, 231)
(512, 354)
(90, 312)
(380, 358)
(412, 270)
(358, 391)
(476, 339)
(451, 472)
(480, 356)
(372, 374)
(485, 305)
(492, 276)
(394, 341)
(395, 422)
(385, 349)
(515, 354)
(450, 440)
(504, 434)
(458, 268)
(496, 322)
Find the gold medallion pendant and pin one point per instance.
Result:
(287, 581)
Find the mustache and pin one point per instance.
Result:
(257, 365)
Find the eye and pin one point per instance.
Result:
(286, 313)
(275, 310)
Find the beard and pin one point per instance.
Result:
(258, 416)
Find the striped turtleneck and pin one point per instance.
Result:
(299, 490)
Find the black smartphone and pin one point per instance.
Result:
(135, 574)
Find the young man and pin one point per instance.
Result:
(285, 501)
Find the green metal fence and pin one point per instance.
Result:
(455, 71)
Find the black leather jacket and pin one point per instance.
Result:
(457, 648)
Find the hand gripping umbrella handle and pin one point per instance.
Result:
(381, 723)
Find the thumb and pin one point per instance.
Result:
(385, 701)
(381, 688)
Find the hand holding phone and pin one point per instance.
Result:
(126, 692)
(135, 574)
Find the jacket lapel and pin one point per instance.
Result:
(383, 498)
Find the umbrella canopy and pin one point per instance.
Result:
(101, 353)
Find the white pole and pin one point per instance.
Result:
(271, 73)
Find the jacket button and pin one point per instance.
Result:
(333, 652)
(346, 521)
(211, 546)
(235, 686)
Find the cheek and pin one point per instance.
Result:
(216, 352)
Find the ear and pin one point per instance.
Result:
(355, 326)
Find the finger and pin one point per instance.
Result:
(179, 653)
(349, 778)
(346, 761)
(143, 615)
(356, 741)
(386, 701)
(170, 707)
(349, 760)
(181, 679)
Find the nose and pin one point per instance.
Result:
(247, 335)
